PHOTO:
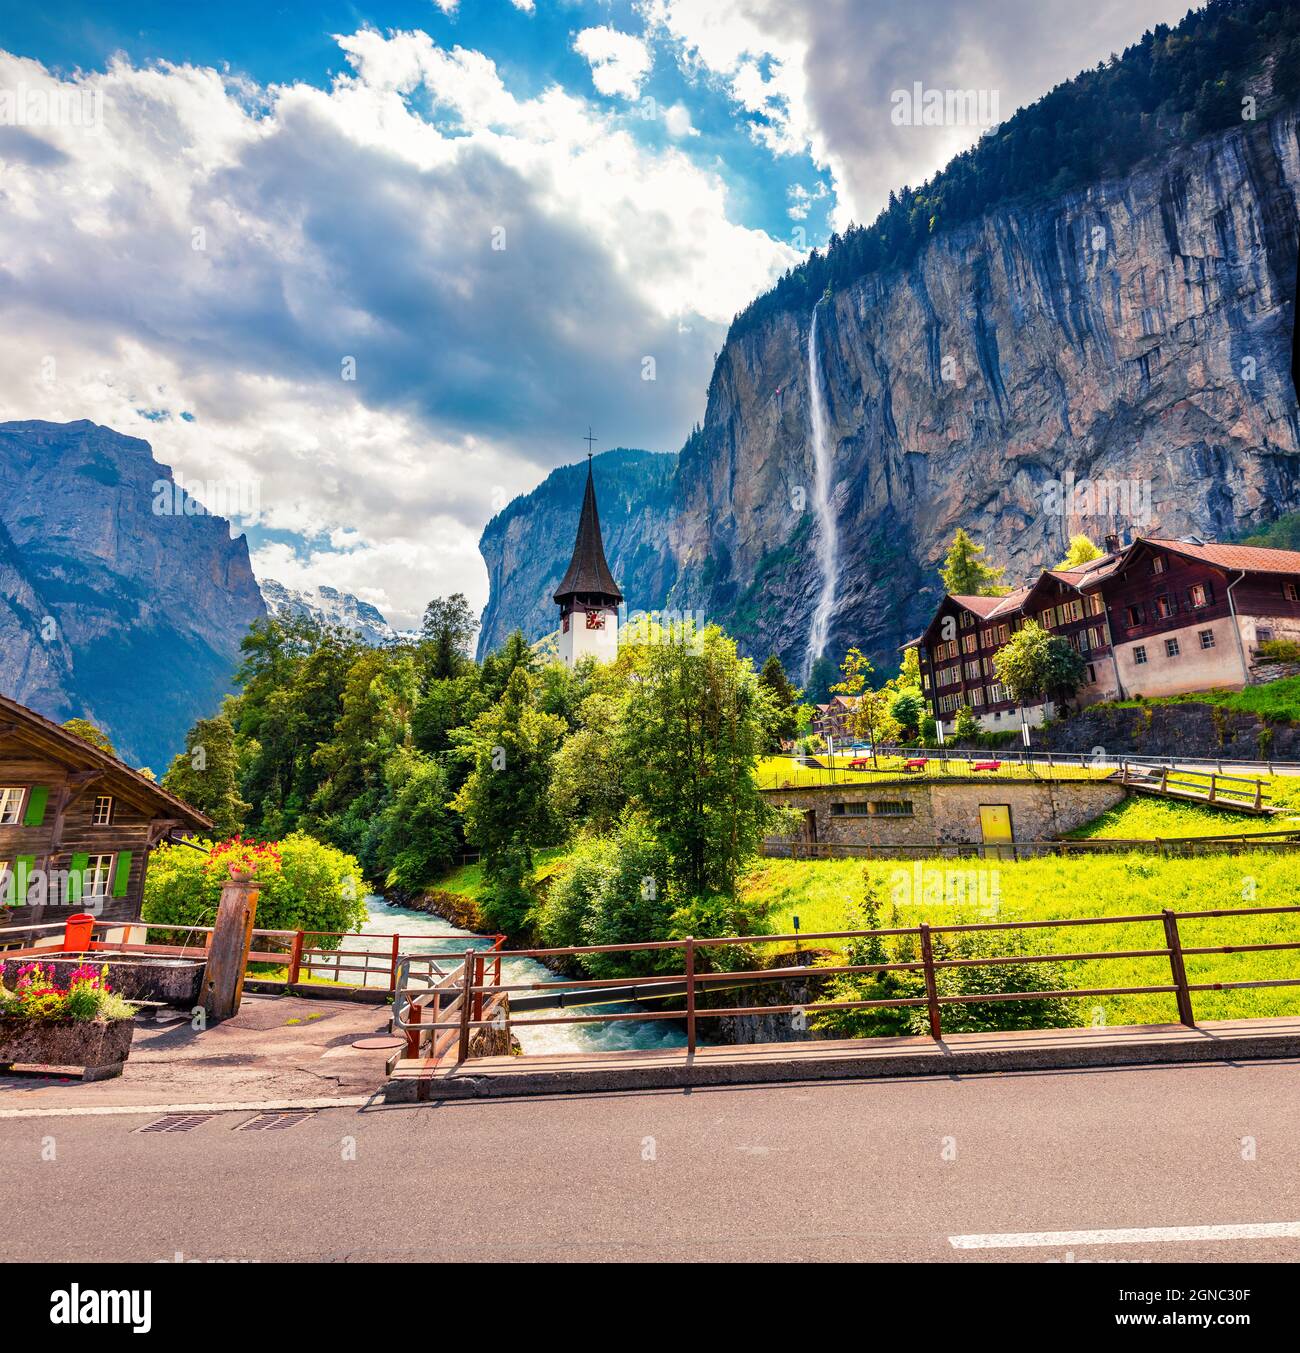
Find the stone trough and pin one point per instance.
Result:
(136, 977)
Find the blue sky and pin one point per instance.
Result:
(382, 264)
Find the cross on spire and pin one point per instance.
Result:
(590, 440)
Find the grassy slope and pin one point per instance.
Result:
(1144, 819)
(1274, 701)
(1114, 885)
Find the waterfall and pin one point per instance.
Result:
(827, 530)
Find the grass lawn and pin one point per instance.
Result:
(779, 772)
(1141, 818)
(467, 879)
(1115, 885)
(1274, 701)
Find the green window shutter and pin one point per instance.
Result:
(36, 802)
(24, 865)
(121, 873)
(77, 875)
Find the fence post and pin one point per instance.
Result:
(392, 964)
(1211, 786)
(466, 998)
(480, 964)
(295, 958)
(1176, 967)
(413, 1035)
(1259, 794)
(931, 989)
(690, 995)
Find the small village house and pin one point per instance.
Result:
(76, 825)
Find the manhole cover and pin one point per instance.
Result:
(270, 1122)
(176, 1122)
(380, 1043)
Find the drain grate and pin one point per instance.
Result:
(272, 1122)
(177, 1122)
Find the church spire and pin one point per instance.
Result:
(588, 577)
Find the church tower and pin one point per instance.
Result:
(588, 596)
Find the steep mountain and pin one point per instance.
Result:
(1084, 323)
(527, 545)
(113, 605)
(327, 605)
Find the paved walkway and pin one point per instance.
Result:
(277, 1047)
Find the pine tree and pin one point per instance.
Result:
(205, 774)
(965, 574)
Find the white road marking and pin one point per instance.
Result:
(1131, 1235)
(245, 1106)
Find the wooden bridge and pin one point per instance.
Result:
(1237, 793)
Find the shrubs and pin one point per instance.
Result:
(88, 995)
(957, 1017)
(303, 884)
(1280, 650)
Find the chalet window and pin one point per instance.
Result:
(849, 810)
(1262, 635)
(977, 695)
(102, 816)
(1084, 640)
(1139, 655)
(1071, 610)
(1047, 618)
(1134, 613)
(969, 643)
(1163, 609)
(95, 880)
(1158, 563)
(967, 620)
(11, 806)
(997, 693)
(1291, 591)
(1092, 675)
(972, 671)
(1171, 648)
(1206, 637)
(1096, 604)
(1200, 594)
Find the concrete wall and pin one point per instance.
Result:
(1194, 669)
(949, 814)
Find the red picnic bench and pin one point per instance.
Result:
(858, 763)
(916, 763)
(986, 765)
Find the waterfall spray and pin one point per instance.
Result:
(827, 529)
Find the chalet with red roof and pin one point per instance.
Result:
(1157, 617)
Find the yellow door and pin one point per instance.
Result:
(995, 823)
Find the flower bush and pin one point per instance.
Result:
(88, 995)
(302, 883)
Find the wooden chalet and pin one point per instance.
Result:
(76, 824)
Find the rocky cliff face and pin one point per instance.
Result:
(1136, 331)
(108, 610)
(527, 545)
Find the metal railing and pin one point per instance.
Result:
(288, 949)
(456, 1003)
(473, 997)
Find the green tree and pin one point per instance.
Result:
(206, 774)
(587, 787)
(870, 719)
(91, 733)
(907, 709)
(964, 572)
(447, 629)
(417, 837)
(693, 723)
(1081, 551)
(965, 725)
(785, 702)
(1035, 665)
(505, 801)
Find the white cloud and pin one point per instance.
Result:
(677, 122)
(447, 7)
(527, 6)
(341, 223)
(801, 199)
(817, 78)
(619, 62)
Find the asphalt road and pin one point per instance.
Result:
(885, 1170)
